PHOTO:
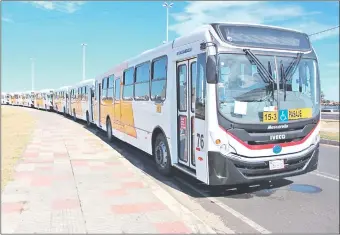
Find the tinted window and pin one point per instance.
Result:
(128, 76)
(117, 89)
(142, 82)
(200, 87)
(182, 87)
(158, 79)
(111, 81)
(193, 72)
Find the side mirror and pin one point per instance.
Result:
(211, 72)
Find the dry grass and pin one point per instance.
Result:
(16, 129)
(330, 135)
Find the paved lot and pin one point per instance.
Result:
(106, 182)
(69, 181)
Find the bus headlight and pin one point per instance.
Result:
(224, 149)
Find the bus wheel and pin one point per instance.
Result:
(162, 155)
(74, 115)
(109, 129)
(64, 112)
(88, 119)
(45, 107)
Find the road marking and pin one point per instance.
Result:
(235, 213)
(325, 175)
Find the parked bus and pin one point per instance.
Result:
(227, 104)
(61, 101)
(81, 101)
(3, 97)
(44, 99)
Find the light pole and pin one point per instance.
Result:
(32, 72)
(83, 45)
(167, 6)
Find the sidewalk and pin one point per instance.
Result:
(70, 181)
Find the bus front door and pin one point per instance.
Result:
(186, 75)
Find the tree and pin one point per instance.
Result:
(322, 97)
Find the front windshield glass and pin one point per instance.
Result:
(247, 95)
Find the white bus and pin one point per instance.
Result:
(227, 104)
(61, 102)
(81, 101)
(44, 99)
(3, 97)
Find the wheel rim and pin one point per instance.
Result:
(161, 154)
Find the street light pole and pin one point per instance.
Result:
(83, 45)
(167, 6)
(32, 72)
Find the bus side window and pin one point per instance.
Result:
(158, 79)
(128, 84)
(117, 89)
(110, 88)
(200, 87)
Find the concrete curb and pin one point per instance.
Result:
(330, 142)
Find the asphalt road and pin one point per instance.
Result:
(333, 116)
(301, 204)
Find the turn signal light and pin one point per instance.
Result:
(218, 141)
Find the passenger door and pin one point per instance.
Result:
(186, 73)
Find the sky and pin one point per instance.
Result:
(52, 33)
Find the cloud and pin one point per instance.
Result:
(257, 12)
(66, 7)
(6, 19)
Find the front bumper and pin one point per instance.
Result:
(236, 169)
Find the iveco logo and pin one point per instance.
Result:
(277, 137)
(278, 126)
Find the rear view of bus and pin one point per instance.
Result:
(261, 104)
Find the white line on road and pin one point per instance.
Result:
(235, 213)
(325, 175)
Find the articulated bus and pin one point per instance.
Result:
(227, 104)
(81, 101)
(61, 100)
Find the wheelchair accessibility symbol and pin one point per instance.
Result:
(283, 115)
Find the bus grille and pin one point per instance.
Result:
(262, 168)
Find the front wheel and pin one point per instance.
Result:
(162, 156)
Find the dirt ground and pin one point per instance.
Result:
(16, 128)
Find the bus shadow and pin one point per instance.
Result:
(180, 181)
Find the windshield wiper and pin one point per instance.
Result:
(292, 66)
(267, 76)
(286, 75)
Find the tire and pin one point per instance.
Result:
(88, 123)
(45, 107)
(109, 129)
(64, 112)
(74, 115)
(162, 156)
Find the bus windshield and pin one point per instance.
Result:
(246, 93)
